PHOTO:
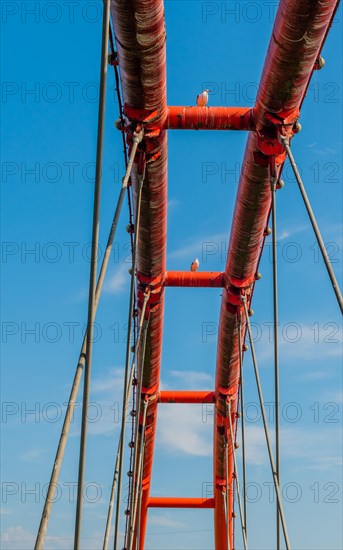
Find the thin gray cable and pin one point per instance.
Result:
(128, 343)
(266, 431)
(133, 499)
(285, 141)
(276, 353)
(237, 478)
(116, 468)
(139, 469)
(242, 423)
(93, 270)
(227, 520)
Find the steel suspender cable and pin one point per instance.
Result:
(93, 267)
(139, 504)
(242, 423)
(265, 425)
(130, 314)
(137, 457)
(227, 493)
(124, 413)
(226, 510)
(139, 488)
(276, 354)
(75, 387)
(285, 142)
(237, 477)
(76, 382)
(139, 469)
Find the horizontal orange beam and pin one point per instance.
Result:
(175, 502)
(212, 279)
(209, 118)
(186, 397)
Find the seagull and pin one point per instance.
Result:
(195, 264)
(202, 99)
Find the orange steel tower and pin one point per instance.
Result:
(298, 35)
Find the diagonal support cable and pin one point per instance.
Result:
(140, 453)
(242, 423)
(236, 475)
(137, 455)
(137, 137)
(265, 425)
(139, 504)
(93, 269)
(285, 141)
(141, 333)
(273, 180)
(226, 510)
(49, 499)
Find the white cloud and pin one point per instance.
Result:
(325, 151)
(188, 429)
(336, 397)
(194, 247)
(111, 382)
(105, 404)
(315, 375)
(284, 234)
(163, 521)
(256, 450)
(118, 281)
(299, 342)
(32, 455)
(300, 444)
(17, 537)
(192, 380)
(185, 428)
(172, 204)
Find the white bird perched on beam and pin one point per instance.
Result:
(195, 264)
(202, 99)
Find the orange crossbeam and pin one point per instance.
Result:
(212, 279)
(186, 397)
(209, 118)
(175, 502)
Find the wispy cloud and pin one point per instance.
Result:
(194, 247)
(335, 397)
(315, 375)
(118, 281)
(185, 429)
(188, 429)
(109, 382)
(289, 232)
(32, 455)
(191, 380)
(17, 537)
(105, 404)
(303, 446)
(173, 204)
(297, 340)
(325, 151)
(164, 520)
(321, 150)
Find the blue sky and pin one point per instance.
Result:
(50, 70)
